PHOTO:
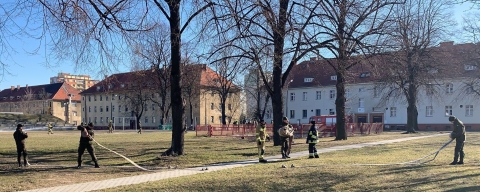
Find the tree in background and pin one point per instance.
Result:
(416, 27)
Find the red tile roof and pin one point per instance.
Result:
(55, 91)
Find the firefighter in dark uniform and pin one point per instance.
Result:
(459, 135)
(86, 138)
(286, 135)
(312, 140)
(19, 135)
(261, 134)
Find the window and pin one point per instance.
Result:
(317, 112)
(95, 120)
(95, 109)
(304, 96)
(319, 95)
(146, 119)
(89, 98)
(269, 115)
(89, 109)
(74, 113)
(448, 110)
(113, 108)
(106, 109)
(307, 80)
(119, 97)
(146, 107)
(153, 107)
(101, 108)
(153, 119)
(212, 93)
(304, 114)
(95, 98)
(230, 107)
(468, 110)
(333, 77)
(375, 92)
(429, 89)
(429, 111)
(101, 119)
(83, 108)
(347, 92)
(470, 67)
(212, 106)
(361, 89)
(331, 111)
(89, 119)
(292, 114)
(101, 97)
(126, 108)
(361, 103)
(113, 97)
(333, 94)
(393, 111)
(106, 119)
(212, 119)
(292, 96)
(449, 88)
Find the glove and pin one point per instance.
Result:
(268, 138)
(258, 142)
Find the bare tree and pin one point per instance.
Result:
(418, 25)
(255, 90)
(100, 32)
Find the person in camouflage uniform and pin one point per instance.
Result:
(50, 128)
(261, 134)
(459, 135)
(110, 127)
(286, 137)
(86, 138)
(139, 128)
(19, 135)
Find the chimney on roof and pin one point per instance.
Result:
(447, 43)
(12, 87)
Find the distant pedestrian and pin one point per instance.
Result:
(139, 128)
(286, 136)
(86, 138)
(312, 140)
(50, 128)
(20, 136)
(110, 127)
(459, 135)
(261, 134)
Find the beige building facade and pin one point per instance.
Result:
(79, 82)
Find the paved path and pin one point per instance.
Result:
(156, 176)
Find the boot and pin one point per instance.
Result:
(79, 165)
(96, 165)
(310, 157)
(26, 164)
(316, 156)
(462, 155)
(453, 163)
(262, 160)
(284, 156)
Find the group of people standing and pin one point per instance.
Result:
(86, 138)
(286, 139)
(286, 135)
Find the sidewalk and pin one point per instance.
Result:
(156, 176)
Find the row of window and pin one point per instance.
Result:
(318, 112)
(429, 111)
(332, 94)
(212, 106)
(146, 119)
(146, 108)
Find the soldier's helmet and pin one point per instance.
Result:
(19, 126)
(451, 118)
(90, 124)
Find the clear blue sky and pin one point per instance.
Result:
(37, 69)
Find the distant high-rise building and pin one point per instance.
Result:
(79, 82)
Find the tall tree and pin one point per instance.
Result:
(100, 31)
(417, 26)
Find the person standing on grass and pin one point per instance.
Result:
(19, 135)
(86, 138)
(110, 127)
(261, 134)
(312, 140)
(286, 136)
(459, 135)
(50, 128)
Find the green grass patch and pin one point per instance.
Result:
(54, 157)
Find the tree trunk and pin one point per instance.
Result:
(412, 112)
(341, 133)
(175, 79)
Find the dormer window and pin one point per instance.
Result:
(432, 71)
(98, 88)
(11, 97)
(366, 74)
(4, 98)
(333, 77)
(109, 86)
(470, 67)
(122, 85)
(307, 80)
(19, 97)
